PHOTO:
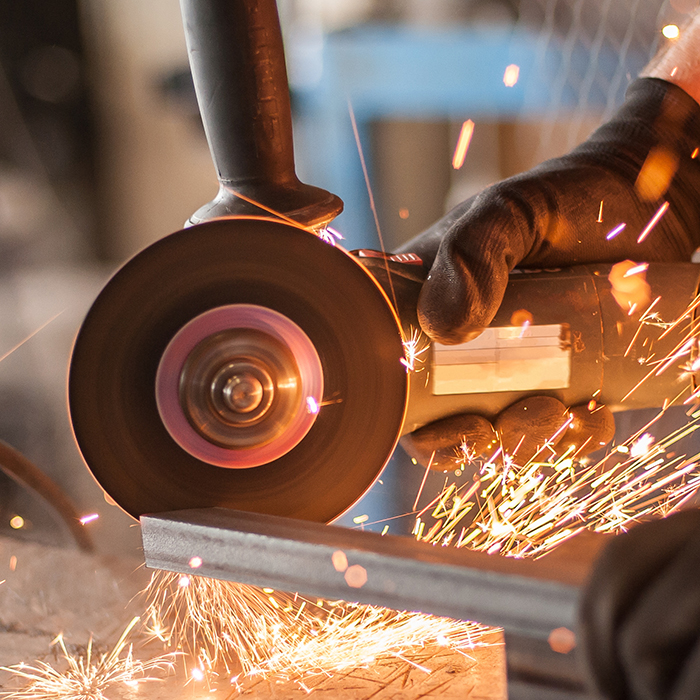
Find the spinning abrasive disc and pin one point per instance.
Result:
(240, 363)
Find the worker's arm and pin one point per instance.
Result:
(642, 163)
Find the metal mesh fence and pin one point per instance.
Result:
(595, 48)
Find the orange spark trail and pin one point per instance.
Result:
(372, 205)
(654, 220)
(87, 677)
(29, 337)
(465, 137)
(422, 484)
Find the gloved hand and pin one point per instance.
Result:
(521, 430)
(640, 615)
(548, 217)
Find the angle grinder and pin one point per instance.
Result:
(245, 362)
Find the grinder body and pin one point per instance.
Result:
(579, 344)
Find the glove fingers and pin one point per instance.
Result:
(523, 427)
(529, 424)
(626, 567)
(591, 427)
(454, 440)
(468, 279)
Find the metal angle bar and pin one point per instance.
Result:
(529, 598)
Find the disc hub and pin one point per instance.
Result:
(234, 384)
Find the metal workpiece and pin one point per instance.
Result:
(529, 599)
(525, 597)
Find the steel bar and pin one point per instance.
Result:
(527, 598)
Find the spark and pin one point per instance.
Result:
(356, 576)
(195, 562)
(561, 640)
(647, 319)
(237, 628)
(522, 318)
(270, 210)
(372, 204)
(414, 347)
(600, 213)
(618, 229)
(654, 220)
(360, 519)
(86, 677)
(643, 267)
(6, 354)
(671, 31)
(511, 75)
(642, 445)
(330, 235)
(425, 477)
(312, 405)
(526, 510)
(465, 137)
(89, 518)
(674, 71)
(695, 152)
(17, 522)
(339, 560)
(403, 213)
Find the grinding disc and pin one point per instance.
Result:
(255, 263)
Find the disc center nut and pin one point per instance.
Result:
(243, 393)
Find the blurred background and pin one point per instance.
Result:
(102, 152)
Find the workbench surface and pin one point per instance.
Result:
(47, 591)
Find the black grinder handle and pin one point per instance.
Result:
(237, 60)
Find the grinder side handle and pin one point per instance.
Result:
(237, 60)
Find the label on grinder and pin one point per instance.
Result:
(504, 359)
